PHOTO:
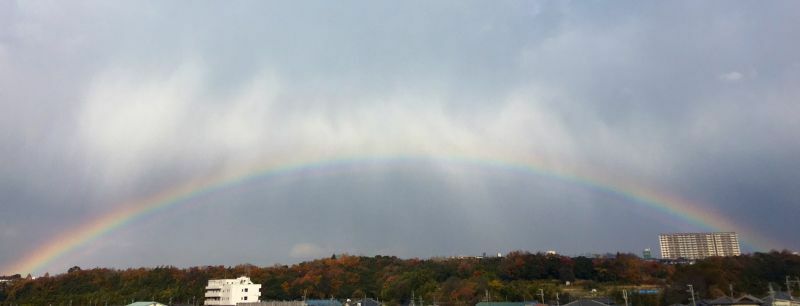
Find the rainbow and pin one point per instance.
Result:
(675, 207)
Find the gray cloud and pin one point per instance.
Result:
(106, 102)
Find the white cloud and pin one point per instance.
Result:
(307, 250)
(732, 76)
(130, 120)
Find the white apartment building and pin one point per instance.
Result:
(698, 245)
(230, 292)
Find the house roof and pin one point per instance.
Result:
(726, 300)
(323, 303)
(749, 298)
(721, 300)
(585, 302)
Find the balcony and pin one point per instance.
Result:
(213, 293)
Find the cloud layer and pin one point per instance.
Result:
(102, 103)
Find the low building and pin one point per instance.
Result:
(781, 299)
(229, 292)
(587, 302)
(747, 300)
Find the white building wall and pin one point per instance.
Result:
(698, 245)
(230, 292)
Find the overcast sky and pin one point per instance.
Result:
(102, 103)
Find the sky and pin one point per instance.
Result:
(465, 127)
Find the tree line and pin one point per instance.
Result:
(518, 276)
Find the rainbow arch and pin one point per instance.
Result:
(71, 239)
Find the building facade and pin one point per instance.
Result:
(230, 292)
(647, 254)
(698, 245)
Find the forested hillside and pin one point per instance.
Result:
(448, 281)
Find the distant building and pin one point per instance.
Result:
(232, 291)
(647, 254)
(698, 245)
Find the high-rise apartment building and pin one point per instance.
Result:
(231, 291)
(698, 245)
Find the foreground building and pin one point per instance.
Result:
(698, 245)
(229, 292)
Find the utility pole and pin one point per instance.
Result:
(541, 294)
(691, 291)
(771, 294)
(625, 296)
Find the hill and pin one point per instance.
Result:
(449, 281)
